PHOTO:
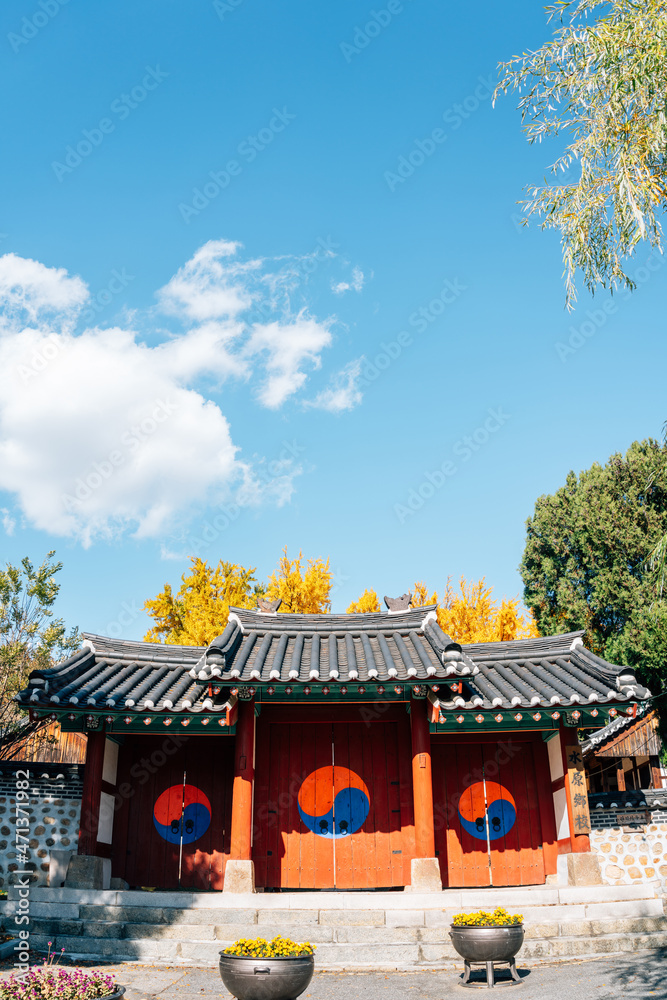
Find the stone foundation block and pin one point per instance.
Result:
(173, 932)
(583, 869)
(350, 955)
(311, 932)
(124, 914)
(425, 875)
(440, 918)
(240, 916)
(104, 929)
(58, 864)
(544, 930)
(431, 935)
(405, 918)
(54, 927)
(377, 935)
(288, 916)
(352, 918)
(88, 872)
(239, 876)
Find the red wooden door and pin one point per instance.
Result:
(171, 829)
(331, 806)
(487, 806)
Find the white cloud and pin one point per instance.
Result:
(343, 393)
(210, 285)
(8, 522)
(101, 433)
(106, 437)
(356, 283)
(31, 288)
(287, 346)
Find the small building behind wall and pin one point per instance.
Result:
(333, 752)
(625, 755)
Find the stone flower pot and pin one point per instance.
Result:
(486, 945)
(266, 978)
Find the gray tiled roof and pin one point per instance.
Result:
(259, 649)
(601, 736)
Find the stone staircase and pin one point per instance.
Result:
(379, 930)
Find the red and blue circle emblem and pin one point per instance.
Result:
(333, 802)
(498, 804)
(182, 811)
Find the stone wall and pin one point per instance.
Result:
(632, 856)
(53, 808)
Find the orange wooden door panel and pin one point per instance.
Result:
(330, 807)
(287, 854)
(487, 814)
(151, 821)
(516, 853)
(459, 812)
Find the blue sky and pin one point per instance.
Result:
(263, 281)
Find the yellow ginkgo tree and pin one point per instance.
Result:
(301, 589)
(198, 611)
(469, 615)
(367, 602)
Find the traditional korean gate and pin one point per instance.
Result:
(488, 825)
(331, 804)
(172, 828)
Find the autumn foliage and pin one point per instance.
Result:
(469, 615)
(367, 602)
(198, 611)
(303, 590)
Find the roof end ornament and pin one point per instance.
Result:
(395, 605)
(268, 607)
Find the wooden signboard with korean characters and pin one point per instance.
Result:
(581, 817)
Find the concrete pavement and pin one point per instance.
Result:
(633, 976)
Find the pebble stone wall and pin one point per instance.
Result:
(628, 856)
(53, 810)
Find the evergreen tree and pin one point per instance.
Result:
(585, 562)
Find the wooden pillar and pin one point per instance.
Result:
(92, 790)
(244, 773)
(422, 783)
(656, 777)
(620, 774)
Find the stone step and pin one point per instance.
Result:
(340, 947)
(267, 923)
(351, 931)
(449, 898)
(356, 956)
